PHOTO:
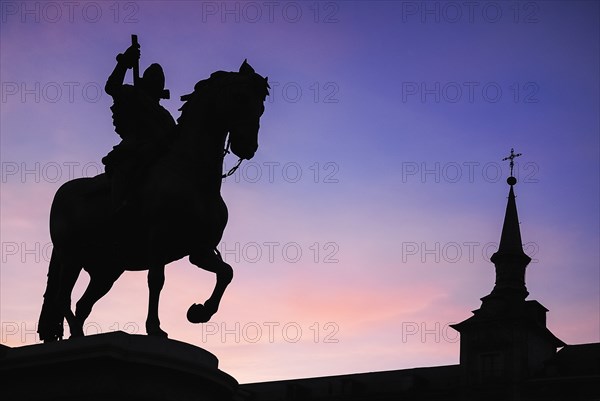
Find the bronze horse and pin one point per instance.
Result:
(178, 210)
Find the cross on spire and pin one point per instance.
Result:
(512, 159)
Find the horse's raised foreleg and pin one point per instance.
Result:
(100, 283)
(156, 281)
(211, 261)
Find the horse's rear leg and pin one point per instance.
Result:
(211, 261)
(50, 325)
(62, 275)
(69, 275)
(156, 281)
(100, 283)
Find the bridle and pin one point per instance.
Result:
(225, 152)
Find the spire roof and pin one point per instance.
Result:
(510, 240)
(510, 260)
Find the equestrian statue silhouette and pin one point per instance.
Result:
(159, 199)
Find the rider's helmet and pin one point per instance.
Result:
(153, 81)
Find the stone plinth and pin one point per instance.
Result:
(113, 366)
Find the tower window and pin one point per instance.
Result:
(492, 365)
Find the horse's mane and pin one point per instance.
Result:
(218, 80)
(202, 88)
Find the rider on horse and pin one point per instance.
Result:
(144, 126)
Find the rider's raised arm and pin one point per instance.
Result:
(124, 62)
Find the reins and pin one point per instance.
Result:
(225, 152)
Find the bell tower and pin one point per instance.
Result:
(506, 341)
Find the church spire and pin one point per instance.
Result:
(510, 260)
(506, 342)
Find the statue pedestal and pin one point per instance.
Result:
(115, 366)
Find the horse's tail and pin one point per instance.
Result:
(50, 325)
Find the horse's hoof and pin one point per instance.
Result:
(156, 332)
(198, 313)
(76, 332)
(51, 339)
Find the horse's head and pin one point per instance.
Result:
(246, 98)
(233, 103)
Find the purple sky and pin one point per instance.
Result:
(364, 224)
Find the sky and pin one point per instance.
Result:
(364, 225)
